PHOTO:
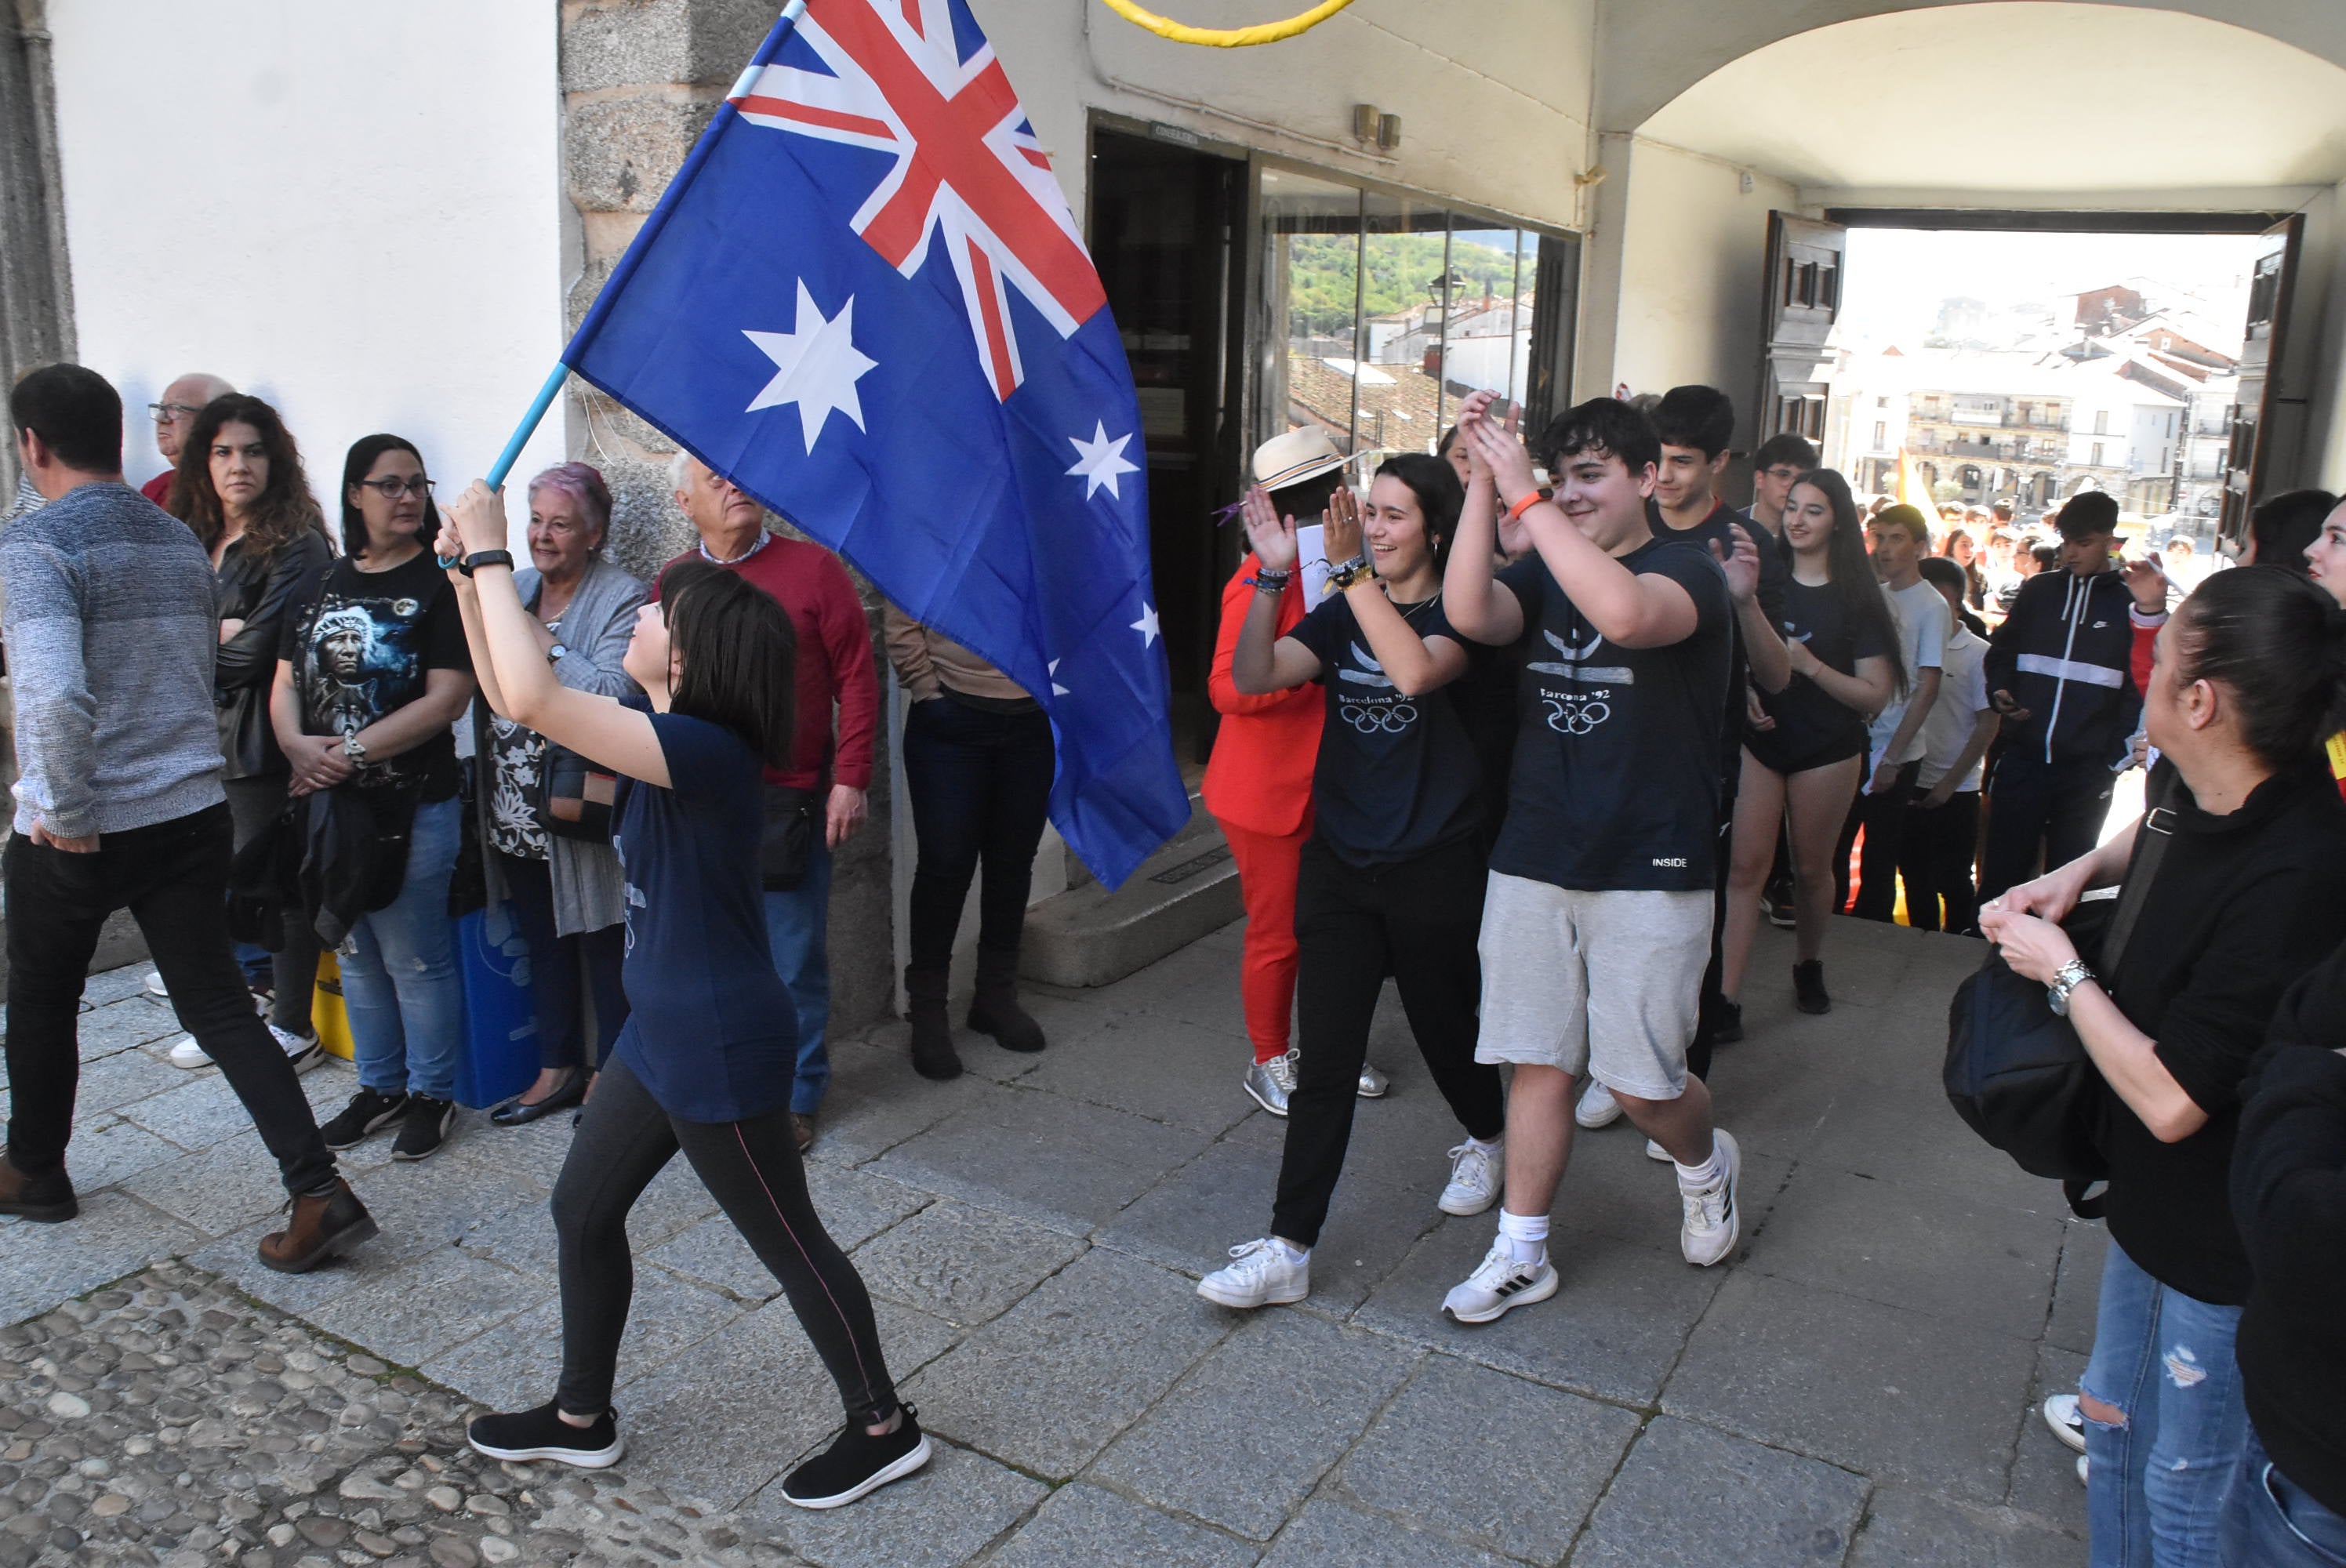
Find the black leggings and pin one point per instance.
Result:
(1417, 922)
(751, 1168)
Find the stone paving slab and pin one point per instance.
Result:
(2044, 1485)
(1327, 1532)
(1083, 1526)
(1489, 1458)
(964, 1264)
(1690, 1497)
(1244, 1439)
(2077, 1290)
(1909, 1529)
(117, 1235)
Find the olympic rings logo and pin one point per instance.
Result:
(1370, 720)
(1568, 716)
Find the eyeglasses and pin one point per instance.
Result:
(165, 413)
(395, 487)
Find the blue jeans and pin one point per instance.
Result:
(2155, 1493)
(2271, 1523)
(796, 924)
(400, 982)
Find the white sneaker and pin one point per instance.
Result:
(1271, 1084)
(186, 1052)
(1475, 1176)
(1373, 1084)
(1498, 1286)
(1598, 1107)
(2084, 1471)
(1655, 1151)
(1261, 1275)
(155, 986)
(1712, 1223)
(304, 1051)
(2060, 1413)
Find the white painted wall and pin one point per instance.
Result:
(1692, 251)
(355, 220)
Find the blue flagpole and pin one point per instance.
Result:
(561, 371)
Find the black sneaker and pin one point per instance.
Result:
(857, 1462)
(425, 1127)
(1776, 903)
(1727, 1022)
(527, 1435)
(1809, 987)
(369, 1112)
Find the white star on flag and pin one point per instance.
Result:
(816, 367)
(1147, 624)
(1052, 669)
(1100, 460)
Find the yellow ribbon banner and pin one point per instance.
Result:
(1225, 37)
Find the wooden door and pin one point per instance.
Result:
(2269, 417)
(1806, 265)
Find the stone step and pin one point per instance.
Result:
(1090, 936)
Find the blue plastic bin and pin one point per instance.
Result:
(500, 1054)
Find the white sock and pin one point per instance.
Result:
(1710, 1173)
(1292, 1253)
(1525, 1235)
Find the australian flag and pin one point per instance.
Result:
(864, 300)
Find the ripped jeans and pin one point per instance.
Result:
(2156, 1494)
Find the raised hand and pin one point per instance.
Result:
(1510, 464)
(1272, 535)
(1741, 564)
(1341, 525)
(480, 518)
(2147, 583)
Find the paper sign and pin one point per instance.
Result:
(1311, 555)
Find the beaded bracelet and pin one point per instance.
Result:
(1267, 577)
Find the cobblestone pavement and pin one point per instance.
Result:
(1853, 1387)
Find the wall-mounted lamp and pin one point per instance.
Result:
(1388, 131)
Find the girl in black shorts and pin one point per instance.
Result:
(1804, 754)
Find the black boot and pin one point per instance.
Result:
(933, 1055)
(995, 1009)
(1809, 987)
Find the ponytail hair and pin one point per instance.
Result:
(2278, 644)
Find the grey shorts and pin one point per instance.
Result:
(1606, 983)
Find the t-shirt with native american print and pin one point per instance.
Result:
(1616, 783)
(1397, 775)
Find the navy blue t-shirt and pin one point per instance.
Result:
(1397, 775)
(1617, 779)
(710, 1030)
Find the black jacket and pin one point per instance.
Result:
(2066, 654)
(259, 594)
(2288, 1194)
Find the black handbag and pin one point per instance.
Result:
(2015, 1070)
(786, 849)
(575, 795)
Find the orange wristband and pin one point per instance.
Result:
(1515, 512)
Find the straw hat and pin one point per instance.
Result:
(1292, 458)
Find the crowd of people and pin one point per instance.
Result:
(1562, 730)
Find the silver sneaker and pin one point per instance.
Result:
(1260, 1273)
(1713, 1222)
(1598, 1107)
(1498, 1286)
(1373, 1084)
(1475, 1177)
(1273, 1083)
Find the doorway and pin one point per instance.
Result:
(1165, 221)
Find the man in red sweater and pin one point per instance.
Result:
(828, 774)
(175, 416)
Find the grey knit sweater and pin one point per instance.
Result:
(111, 626)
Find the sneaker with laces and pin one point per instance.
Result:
(1712, 1222)
(186, 1052)
(369, 1112)
(1598, 1107)
(523, 1436)
(1271, 1084)
(1498, 1286)
(1655, 1151)
(304, 1051)
(423, 1128)
(1260, 1273)
(857, 1462)
(1476, 1174)
(2060, 1413)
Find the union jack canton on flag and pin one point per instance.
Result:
(863, 299)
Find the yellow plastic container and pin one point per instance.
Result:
(327, 1015)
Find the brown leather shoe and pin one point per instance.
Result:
(47, 1197)
(802, 1129)
(321, 1227)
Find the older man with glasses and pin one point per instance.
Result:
(175, 415)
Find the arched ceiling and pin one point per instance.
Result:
(2022, 95)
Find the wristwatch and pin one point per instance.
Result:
(1355, 570)
(354, 751)
(2065, 979)
(479, 558)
